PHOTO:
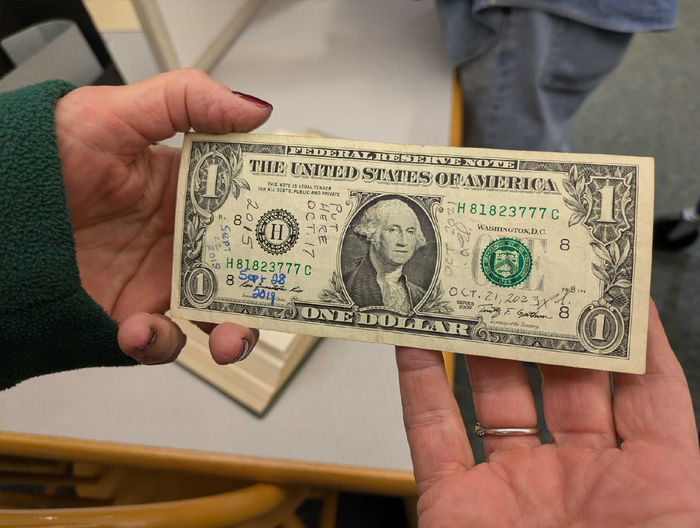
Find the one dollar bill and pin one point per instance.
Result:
(533, 256)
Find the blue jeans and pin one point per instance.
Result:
(529, 75)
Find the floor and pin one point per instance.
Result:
(648, 106)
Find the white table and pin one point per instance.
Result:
(341, 409)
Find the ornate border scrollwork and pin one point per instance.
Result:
(480, 330)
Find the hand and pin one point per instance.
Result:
(583, 478)
(121, 195)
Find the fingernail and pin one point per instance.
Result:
(251, 99)
(246, 351)
(150, 341)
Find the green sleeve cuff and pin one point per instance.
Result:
(48, 323)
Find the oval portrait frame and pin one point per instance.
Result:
(422, 267)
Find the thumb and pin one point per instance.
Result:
(151, 339)
(156, 108)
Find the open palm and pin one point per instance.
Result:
(626, 460)
(121, 193)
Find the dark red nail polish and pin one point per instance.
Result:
(251, 99)
(150, 341)
(245, 351)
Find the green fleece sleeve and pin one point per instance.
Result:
(48, 323)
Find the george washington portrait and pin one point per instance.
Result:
(387, 260)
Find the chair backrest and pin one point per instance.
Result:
(17, 16)
(70, 492)
(266, 504)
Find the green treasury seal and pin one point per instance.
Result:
(506, 262)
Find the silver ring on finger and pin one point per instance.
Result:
(482, 431)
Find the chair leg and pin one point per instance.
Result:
(329, 510)
(411, 505)
(293, 522)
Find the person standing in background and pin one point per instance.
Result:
(526, 66)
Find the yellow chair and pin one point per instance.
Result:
(456, 140)
(46, 492)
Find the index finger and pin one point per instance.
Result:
(434, 426)
(656, 407)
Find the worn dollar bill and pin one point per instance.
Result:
(534, 256)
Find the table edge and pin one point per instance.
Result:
(270, 470)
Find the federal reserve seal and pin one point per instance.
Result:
(277, 231)
(506, 262)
